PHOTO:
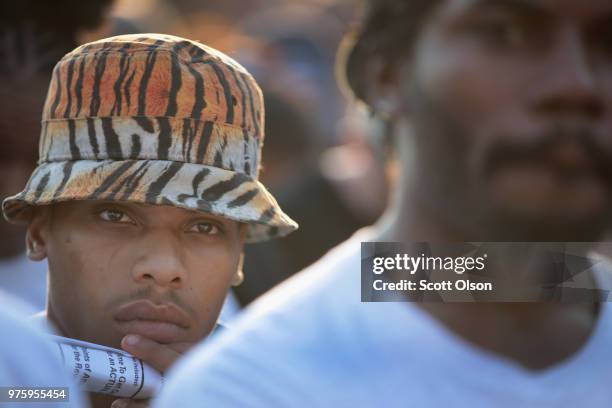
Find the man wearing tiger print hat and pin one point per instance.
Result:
(145, 192)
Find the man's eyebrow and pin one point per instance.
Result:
(523, 7)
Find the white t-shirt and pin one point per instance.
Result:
(27, 359)
(312, 343)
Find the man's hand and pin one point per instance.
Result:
(159, 356)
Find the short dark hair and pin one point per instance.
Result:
(64, 18)
(47, 29)
(388, 30)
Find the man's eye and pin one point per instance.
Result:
(115, 216)
(206, 228)
(501, 33)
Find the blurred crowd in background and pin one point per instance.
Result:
(325, 159)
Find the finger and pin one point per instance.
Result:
(130, 403)
(157, 355)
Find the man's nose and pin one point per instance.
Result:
(160, 262)
(569, 85)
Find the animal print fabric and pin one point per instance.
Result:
(153, 119)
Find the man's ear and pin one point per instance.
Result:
(242, 236)
(239, 276)
(37, 234)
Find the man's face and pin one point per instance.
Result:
(511, 105)
(158, 271)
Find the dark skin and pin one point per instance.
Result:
(508, 106)
(161, 254)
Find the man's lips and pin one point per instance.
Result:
(163, 323)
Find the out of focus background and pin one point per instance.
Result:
(323, 158)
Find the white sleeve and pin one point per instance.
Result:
(234, 370)
(27, 359)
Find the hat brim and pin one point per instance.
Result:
(212, 190)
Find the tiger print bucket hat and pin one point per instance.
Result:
(153, 119)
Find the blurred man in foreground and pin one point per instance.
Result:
(145, 192)
(27, 360)
(503, 114)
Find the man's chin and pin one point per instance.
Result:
(540, 193)
(160, 332)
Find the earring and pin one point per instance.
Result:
(239, 276)
(32, 249)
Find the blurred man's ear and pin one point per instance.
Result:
(365, 73)
(37, 234)
(382, 88)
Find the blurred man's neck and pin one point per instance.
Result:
(522, 332)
